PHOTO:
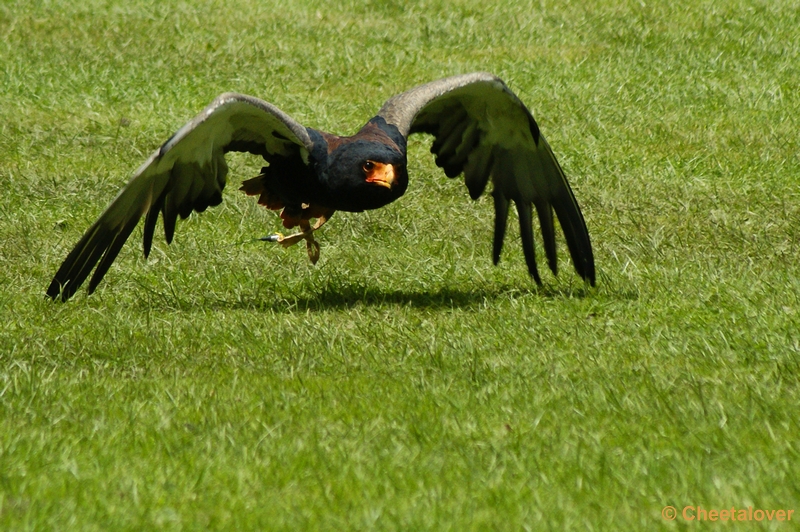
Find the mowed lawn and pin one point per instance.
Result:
(405, 383)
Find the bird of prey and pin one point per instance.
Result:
(481, 129)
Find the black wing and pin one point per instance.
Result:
(482, 129)
(186, 174)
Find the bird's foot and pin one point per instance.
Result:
(312, 247)
(286, 241)
(307, 234)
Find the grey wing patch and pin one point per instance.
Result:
(484, 131)
(402, 109)
(241, 121)
(187, 173)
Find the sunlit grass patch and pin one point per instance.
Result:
(404, 382)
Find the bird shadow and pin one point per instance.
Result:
(338, 296)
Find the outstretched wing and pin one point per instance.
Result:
(482, 129)
(186, 174)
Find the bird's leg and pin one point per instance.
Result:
(306, 233)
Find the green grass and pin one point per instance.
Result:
(404, 383)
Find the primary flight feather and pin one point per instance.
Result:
(481, 130)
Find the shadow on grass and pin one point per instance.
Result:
(337, 297)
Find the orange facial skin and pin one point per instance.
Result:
(379, 173)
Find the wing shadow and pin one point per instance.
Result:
(339, 297)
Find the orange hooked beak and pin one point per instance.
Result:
(379, 173)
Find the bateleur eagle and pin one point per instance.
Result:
(480, 129)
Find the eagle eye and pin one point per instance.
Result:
(368, 166)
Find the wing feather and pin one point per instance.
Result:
(150, 224)
(526, 232)
(483, 130)
(478, 169)
(114, 247)
(500, 221)
(454, 164)
(187, 173)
